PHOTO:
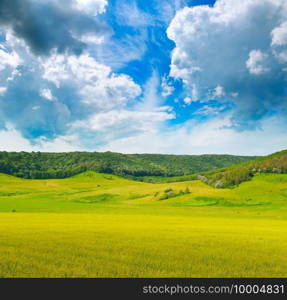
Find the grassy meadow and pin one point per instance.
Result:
(98, 225)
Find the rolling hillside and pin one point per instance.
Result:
(39, 165)
(102, 225)
(274, 163)
(90, 191)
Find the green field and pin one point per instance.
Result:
(97, 225)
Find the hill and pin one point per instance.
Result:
(90, 191)
(232, 176)
(101, 225)
(38, 165)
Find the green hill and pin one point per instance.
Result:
(38, 165)
(101, 225)
(228, 177)
(90, 190)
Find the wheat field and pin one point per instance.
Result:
(97, 225)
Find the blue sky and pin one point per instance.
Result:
(158, 76)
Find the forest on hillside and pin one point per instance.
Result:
(232, 176)
(40, 165)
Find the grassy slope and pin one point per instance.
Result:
(234, 175)
(96, 225)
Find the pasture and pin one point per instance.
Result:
(99, 225)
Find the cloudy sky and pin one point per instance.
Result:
(134, 76)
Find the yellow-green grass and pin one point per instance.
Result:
(96, 225)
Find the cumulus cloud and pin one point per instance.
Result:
(47, 94)
(93, 7)
(111, 92)
(97, 84)
(59, 68)
(47, 25)
(218, 92)
(113, 125)
(79, 95)
(8, 59)
(238, 45)
(62, 81)
(279, 35)
(42, 96)
(146, 115)
(255, 62)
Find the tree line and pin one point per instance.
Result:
(43, 165)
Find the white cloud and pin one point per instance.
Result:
(181, 65)
(228, 46)
(207, 110)
(255, 62)
(279, 35)
(92, 39)
(212, 47)
(131, 120)
(7, 59)
(9, 62)
(151, 99)
(167, 88)
(194, 92)
(202, 34)
(96, 83)
(68, 143)
(279, 42)
(95, 94)
(129, 14)
(116, 53)
(115, 125)
(187, 100)
(12, 140)
(47, 94)
(112, 92)
(93, 7)
(146, 115)
(13, 75)
(85, 89)
(281, 56)
(211, 137)
(2, 90)
(55, 69)
(164, 108)
(84, 68)
(218, 92)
